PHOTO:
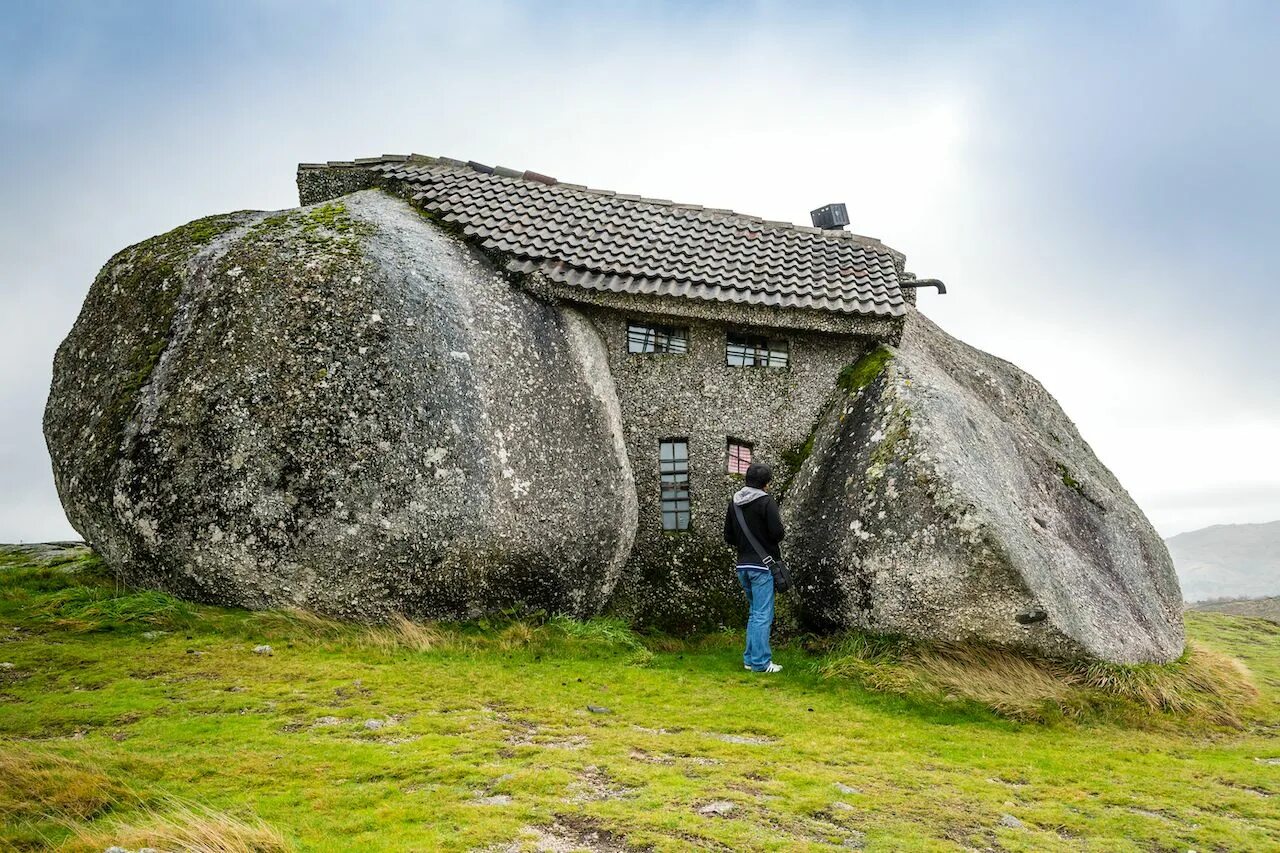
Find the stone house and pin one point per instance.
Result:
(726, 334)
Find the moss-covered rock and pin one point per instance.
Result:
(340, 408)
(948, 497)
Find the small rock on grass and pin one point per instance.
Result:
(6, 665)
(262, 650)
(846, 789)
(374, 725)
(720, 808)
(856, 840)
(1010, 821)
(494, 800)
(598, 709)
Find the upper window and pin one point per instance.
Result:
(739, 456)
(748, 351)
(671, 340)
(673, 463)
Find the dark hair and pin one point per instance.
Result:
(758, 475)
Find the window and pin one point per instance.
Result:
(739, 456)
(748, 351)
(673, 463)
(662, 340)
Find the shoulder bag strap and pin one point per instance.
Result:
(746, 531)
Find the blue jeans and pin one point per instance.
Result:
(758, 585)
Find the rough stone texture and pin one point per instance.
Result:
(346, 408)
(952, 493)
(324, 184)
(684, 580)
(341, 408)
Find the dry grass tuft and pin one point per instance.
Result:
(39, 785)
(1009, 684)
(300, 624)
(1203, 685)
(518, 635)
(402, 633)
(189, 827)
(395, 635)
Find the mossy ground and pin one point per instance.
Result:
(128, 716)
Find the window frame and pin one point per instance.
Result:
(674, 340)
(757, 351)
(673, 474)
(732, 444)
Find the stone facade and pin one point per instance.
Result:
(683, 580)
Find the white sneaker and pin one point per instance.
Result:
(747, 668)
(772, 667)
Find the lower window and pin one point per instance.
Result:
(673, 463)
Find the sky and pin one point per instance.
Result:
(1097, 183)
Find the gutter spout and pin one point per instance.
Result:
(924, 282)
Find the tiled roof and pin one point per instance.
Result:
(607, 241)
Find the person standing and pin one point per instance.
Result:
(760, 513)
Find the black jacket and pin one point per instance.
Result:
(765, 521)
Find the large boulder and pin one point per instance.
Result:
(948, 497)
(342, 408)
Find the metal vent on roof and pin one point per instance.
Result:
(830, 217)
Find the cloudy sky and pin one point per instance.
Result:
(1098, 184)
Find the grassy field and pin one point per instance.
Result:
(130, 718)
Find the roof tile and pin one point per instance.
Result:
(602, 240)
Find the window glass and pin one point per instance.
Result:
(739, 456)
(673, 465)
(750, 351)
(668, 340)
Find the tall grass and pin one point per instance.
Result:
(85, 609)
(399, 633)
(181, 825)
(36, 785)
(1202, 685)
(51, 796)
(606, 631)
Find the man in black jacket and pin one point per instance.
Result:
(760, 512)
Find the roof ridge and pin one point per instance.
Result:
(547, 180)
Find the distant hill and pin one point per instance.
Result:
(1263, 608)
(1228, 561)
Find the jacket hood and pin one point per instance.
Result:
(747, 494)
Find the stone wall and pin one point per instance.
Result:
(321, 184)
(684, 580)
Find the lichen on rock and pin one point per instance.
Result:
(340, 408)
(349, 408)
(947, 493)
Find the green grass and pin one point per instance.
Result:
(128, 717)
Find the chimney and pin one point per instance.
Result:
(830, 217)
